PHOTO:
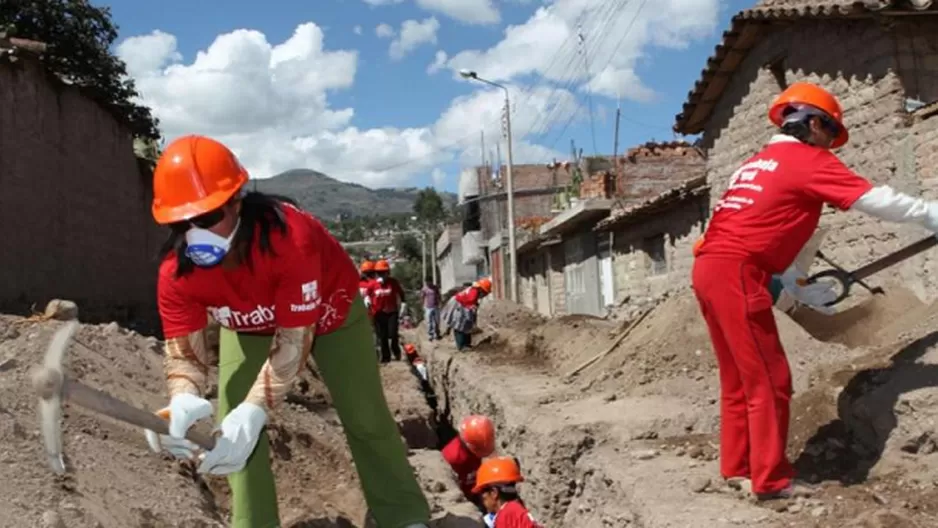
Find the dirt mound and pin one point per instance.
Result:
(115, 481)
(502, 313)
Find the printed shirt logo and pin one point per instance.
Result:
(310, 295)
(743, 180)
(260, 318)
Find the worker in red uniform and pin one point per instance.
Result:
(497, 485)
(367, 274)
(386, 295)
(770, 210)
(461, 311)
(274, 279)
(464, 454)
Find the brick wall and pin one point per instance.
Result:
(651, 169)
(495, 211)
(871, 69)
(680, 226)
(73, 201)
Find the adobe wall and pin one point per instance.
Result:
(74, 204)
(872, 71)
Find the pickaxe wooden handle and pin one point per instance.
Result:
(51, 384)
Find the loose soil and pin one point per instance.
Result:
(631, 439)
(115, 481)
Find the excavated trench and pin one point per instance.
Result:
(641, 461)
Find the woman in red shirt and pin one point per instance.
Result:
(464, 454)
(387, 296)
(496, 483)
(275, 279)
(462, 310)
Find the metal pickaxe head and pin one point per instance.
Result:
(48, 382)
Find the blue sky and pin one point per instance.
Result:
(359, 114)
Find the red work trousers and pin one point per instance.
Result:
(755, 379)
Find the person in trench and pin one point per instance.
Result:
(497, 487)
(387, 298)
(464, 453)
(367, 270)
(276, 280)
(769, 211)
(461, 311)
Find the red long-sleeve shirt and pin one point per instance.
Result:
(386, 295)
(463, 462)
(468, 297)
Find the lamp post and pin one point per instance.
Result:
(509, 188)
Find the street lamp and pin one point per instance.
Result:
(509, 187)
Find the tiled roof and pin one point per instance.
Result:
(750, 26)
(686, 189)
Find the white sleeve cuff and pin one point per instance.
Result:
(886, 203)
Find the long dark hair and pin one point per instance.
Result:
(259, 212)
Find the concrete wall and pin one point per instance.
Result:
(453, 272)
(635, 276)
(526, 177)
(74, 204)
(555, 279)
(872, 70)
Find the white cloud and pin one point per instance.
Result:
(412, 35)
(270, 103)
(148, 52)
(439, 62)
(384, 31)
(616, 38)
(438, 177)
(468, 11)
(357, 30)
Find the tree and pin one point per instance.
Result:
(409, 248)
(79, 37)
(429, 208)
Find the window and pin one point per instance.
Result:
(657, 259)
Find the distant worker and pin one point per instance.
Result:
(387, 296)
(497, 485)
(367, 270)
(768, 213)
(430, 295)
(275, 279)
(461, 311)
(475, 440)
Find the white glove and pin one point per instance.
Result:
(422, 371)
(489, 520)
(814, 295)
(240, 431)
(184, 410)
(403, 309)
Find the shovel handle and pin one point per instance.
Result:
(103, 403)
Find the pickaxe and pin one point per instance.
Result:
(51, 384)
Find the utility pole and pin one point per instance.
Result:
(615, 149)
(423, 251)
(433, 255)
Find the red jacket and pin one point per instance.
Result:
(468, 297)
(463, 462)
(515, 515)
(386, 295)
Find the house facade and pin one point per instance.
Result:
(880, 59)
(454, 272)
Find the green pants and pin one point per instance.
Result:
(346, 360)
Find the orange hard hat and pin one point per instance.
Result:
(382, 265)
(194, 175)
(697, 245)
(367, 266)
(478, 433)
(485, 284)
(802, 93)
(410, 349)
(497, 471)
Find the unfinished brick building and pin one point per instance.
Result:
(880, 58)
(75, 201)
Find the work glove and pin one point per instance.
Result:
(240, 431)
(403, 310)
(184, 410)
(814, 295)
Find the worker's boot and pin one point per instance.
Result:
(795, 489)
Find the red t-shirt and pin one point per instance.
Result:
(386, 297)
(515, 515)
(363, 285)
(308, 278)
(774, 201)
(464, 464)
(468, 297)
